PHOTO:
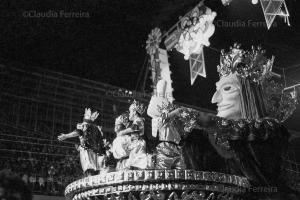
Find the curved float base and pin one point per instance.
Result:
(158, 185)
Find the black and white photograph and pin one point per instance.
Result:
(149, 100)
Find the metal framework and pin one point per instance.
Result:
(37, 105)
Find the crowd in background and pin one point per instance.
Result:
(47, 167)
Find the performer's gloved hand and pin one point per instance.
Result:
(62, 137)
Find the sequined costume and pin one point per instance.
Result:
(167, 129)
(121, 143)
(121, 151)
(93, 146)
(91, 149)
(169, 152)
(137, 156)
(121, 146)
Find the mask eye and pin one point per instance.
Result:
(227, 88)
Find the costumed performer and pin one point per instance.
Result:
(93, 144)
(167, 128)
(138, 158)
(121, 144)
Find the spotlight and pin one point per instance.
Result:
(226, 2)
(254, 2)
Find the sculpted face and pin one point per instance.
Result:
(228, 97)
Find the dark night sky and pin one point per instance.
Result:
(109, 44)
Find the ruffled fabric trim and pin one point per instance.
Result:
(248, 130)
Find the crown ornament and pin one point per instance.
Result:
(90, 116)
(138, 107)
(253, 64)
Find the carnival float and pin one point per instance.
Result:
(199, 156)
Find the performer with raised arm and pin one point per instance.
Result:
(138, 158)
(121, 144)
(93, 144)
(247, 132)
(167, 128)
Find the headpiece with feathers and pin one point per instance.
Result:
(261, 95)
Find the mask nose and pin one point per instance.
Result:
(216, 97)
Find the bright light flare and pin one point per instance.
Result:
(254, 2)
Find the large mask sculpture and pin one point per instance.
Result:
(228, 97)
(247, 89)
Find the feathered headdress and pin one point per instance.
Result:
(90, 116)
(253, 65)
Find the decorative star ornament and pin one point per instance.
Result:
(197, 66)
(273, 8)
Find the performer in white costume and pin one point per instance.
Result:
(137, 156)
(121, 144)
(167, 128)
